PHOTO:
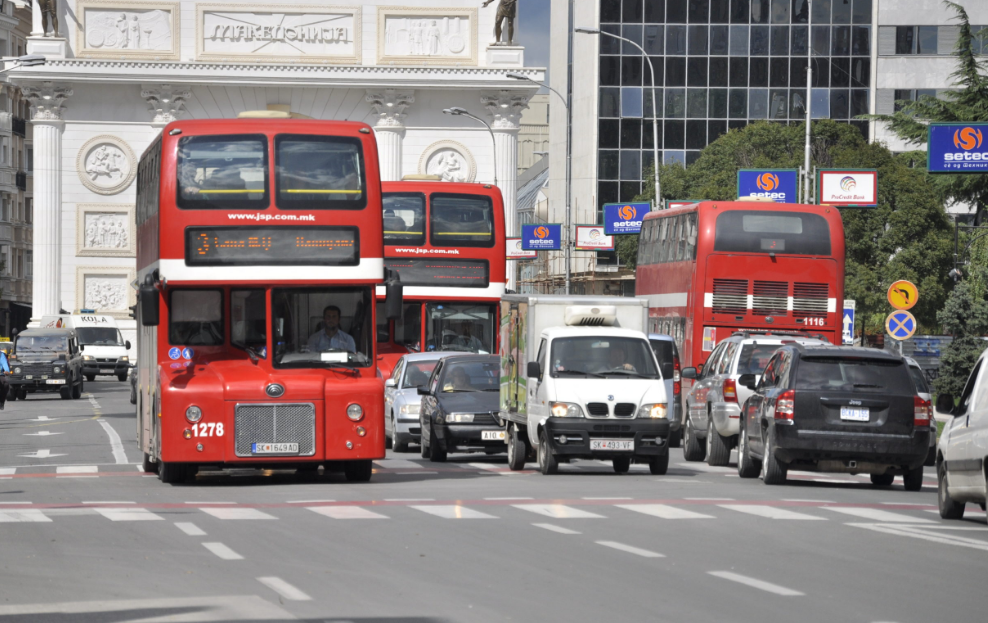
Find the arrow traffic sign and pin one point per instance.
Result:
(902, 295)
(848, 329)
(900, 325)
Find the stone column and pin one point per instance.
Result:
(37, 29)
(389, 106)
(506, 112)
(46, 116)
(165, 103)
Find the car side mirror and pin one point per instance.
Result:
(945, 403)
(748, 380)
(423, 390)
(390, 383)
(126, 345)
(534, 370)
(688, 373)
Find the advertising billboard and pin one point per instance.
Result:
(624, 218)
(515, 252)
(545, 237)
(593, 238)
(957, 148)
(670, 203)
(847, 188)
(780, 185)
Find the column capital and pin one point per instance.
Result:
(506, 109)
(389, 105)
(165, 102)
(47, 101)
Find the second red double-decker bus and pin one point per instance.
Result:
(259, 251)
(446, 242)
(715, 267)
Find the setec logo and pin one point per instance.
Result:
(541, 232)
(967, 139)
(848, 183)
(628, 214)
(768, 182)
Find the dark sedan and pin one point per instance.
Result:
(460, 407)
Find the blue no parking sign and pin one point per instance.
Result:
(900, 325)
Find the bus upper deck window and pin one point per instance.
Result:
(461, 220)
(319, 172)
(404, 218)
(223, 172)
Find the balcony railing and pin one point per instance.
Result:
(18, 126)
(20, 180)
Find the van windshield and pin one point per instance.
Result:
(46, 343)
(610, 357)
(100, 336)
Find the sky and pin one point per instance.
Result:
(533, 31)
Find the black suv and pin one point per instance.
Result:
(834, 409)
(46, 360)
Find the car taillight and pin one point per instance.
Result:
(677, 385)
(730, 391)
(784, 406)
(921, 412)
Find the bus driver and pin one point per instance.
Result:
(331, 337)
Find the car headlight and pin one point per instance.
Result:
(88, 358)
(566, 409)
(410, 409)
(656, 411)
(125, 358)
(355, 412)
(459, 418)
(57, 370)
(193, 414)
(17, 370)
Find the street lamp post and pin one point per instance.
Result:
(28, 60)
(568, 241)
(456, 111)
(809, 93)
(655, 117)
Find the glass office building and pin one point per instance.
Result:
(720, 64)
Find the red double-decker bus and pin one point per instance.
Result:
(715, 267)
(259, 251)
(446, 242)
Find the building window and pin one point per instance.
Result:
(30, 159)
(5, 259)
(30, 264)
(28, 210)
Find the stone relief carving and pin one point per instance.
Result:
(450, 160)
(416, 35)
(128, 30)
(106, 165)
(47, 101)
(105, 230)
(165, 102)
(105, 293)
(505, 108)
(389, 106)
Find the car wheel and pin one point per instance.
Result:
(90, 377)
(12, 394)
(516, 450)
(773, 470)
(913, 479)
(659, 465)
(358, 471)
(718, 452)
(693, 450)
(675, 438)
(436, 454)
(931, 457)
(387, 440)
(65, 393)
(133, 395)
(398, 446)
(122, 377)
(621, 465)
(148, 465)
(747, 468)
(423, 446)
(77, 390)
(882, 480)
(547, 460)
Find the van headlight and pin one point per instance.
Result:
(410, 409)
(125, 358)
(656, 411)
(459, 418)
(566, 409)
(88, 358)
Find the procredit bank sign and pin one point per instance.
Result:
(848, 188)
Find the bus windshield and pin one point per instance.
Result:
(602, 357)
(766, 231)
(321, 327)
(100, 336)
(460, 327)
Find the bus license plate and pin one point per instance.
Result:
(854, 415)
(623, 445)
(55, 381)
(274, 448)
(492, 435)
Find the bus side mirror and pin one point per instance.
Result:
(148, 300)
(394, 293)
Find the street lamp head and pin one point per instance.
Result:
(588, 31)
(31, 60)
(515, 76)
(455, 110)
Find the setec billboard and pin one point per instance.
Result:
(780, 185)
(545, 237)
(848, 188)
(957, 148)
(593, 238)
(624, 218)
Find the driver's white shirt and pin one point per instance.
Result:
(319, 341)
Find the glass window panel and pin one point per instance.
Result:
(902, 96)
(739, 72)
(631, 133)
(696, 134)
(675, 103)
(780, 11)
(779, 72)
(674, 157)
(778, 104)
(676, 71)
(674, 134)
(862, 127)
(840, 72)
(699, 11)
(842, 12)
(821, 41)
(798, 47)
(780, 41)
(717, 105)
(631, 164)
(861, 40)
(840, 103)
(860, 72)
(920, 93)
(195, 318)
(608, 133)
(862, 12)
(737, 124)
(759, 72)
(631, 71)
(607, 192)
(800, 11)
(797, 72)
(647, 102)
(648, 138)
(658, 66)
(859, 102)
(740, 10)
(718, 71)
(610, 71)
(607, 164)
(610, 10)
(821, 72)
(760, 11)
(675, 39)
(632, 32)
(739, 41)
(820, 106)
(696, 103)
(697, 39)
(610, 102)
(231, 172)
(715, 129)
(905, 42)
(653, 39)
(926, 40)
(758, 103)
(610, 45)
(719, 39)
(632, 11)
(738, 103)
(648, 157)
(797, 104)
(675, 11)
(629, 190)
(696, 71)
(759, 41)
(720, 11)
(842, 41)
(821, 11)
(631, 102)
(655, 11)
(692, 156)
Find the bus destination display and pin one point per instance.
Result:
(265, 246)
(448, 273)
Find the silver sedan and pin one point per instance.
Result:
(402, 401)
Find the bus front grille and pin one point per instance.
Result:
(275, 423)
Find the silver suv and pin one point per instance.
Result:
(713, 405)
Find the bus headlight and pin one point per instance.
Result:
(193, 414)
(410, 409)
(566, 409)
(656, 411)
(355, 412)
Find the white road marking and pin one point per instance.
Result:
(190, 528)
(44, 433)
(346, 512)
(40, 418)
(8, 471)
(5, 502)
(398, 464)
(703, 467)
(208, 503)
(508, 498)
(453, 511)
(308, 501)
(129, 514)
(284, 589)
(608, 498)
(909, 504)
(27, 515)
(711, 499)
(409, 499)
(924, 534)
(814, 501)
(664, 511)
(770, 512)
(630, 549)
(752, 582)
(116, 444)
(559, 529)
(876, 514)
(487, 466)
(222, 551)
(40, 454)
(77, 469)
(237, 513)
(106, 502)
(558, 511)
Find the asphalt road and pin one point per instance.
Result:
(86, 536)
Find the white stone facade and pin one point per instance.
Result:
(120, 70)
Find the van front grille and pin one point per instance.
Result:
(624, 409)
(598, 409)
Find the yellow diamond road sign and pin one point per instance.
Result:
(902, 295)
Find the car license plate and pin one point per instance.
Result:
(55, 381)
(622, 445)
(492, 435)
(854, 415)
(274, 448)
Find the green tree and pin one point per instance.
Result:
(965, 316)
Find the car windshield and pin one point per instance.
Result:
(754, 357)
(602, 356)
(321, 327)
(38, 343)
(99, 336)
(417, 373)
(476, 376)
(460, 327)
(853, 375)
(919, 379)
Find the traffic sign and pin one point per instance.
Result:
(848, 322)
(900, 325)
(902, 295)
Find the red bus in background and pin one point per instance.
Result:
(259, 252)
(716, 267)
(446, 241)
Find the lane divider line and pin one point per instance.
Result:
(116, 444)
(755, 583)
(631, 549)
(552, 528)
(284, 589)
(222, 551)
(190, 528)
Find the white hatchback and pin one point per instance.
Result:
(962, 452)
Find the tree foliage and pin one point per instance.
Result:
(965, 316)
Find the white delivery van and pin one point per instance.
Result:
(579, 380)
(104, 351)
